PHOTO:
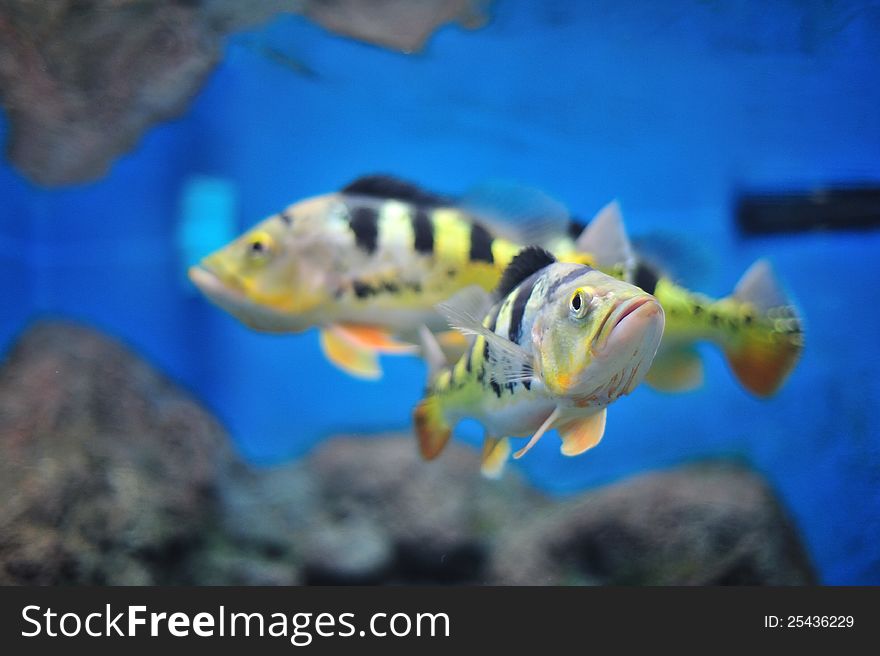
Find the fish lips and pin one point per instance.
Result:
(632, 330)
(234, 301)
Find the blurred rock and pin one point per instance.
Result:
(81, 80)
(701, 525)
(110, 475)
(398, 24)
(440, 518)
(107, 471)
(371, 511)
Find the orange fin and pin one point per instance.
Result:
(349, 355)
(355, 349)
(761, 366)
(432, 430)
(378, 339)
(583, 433)
(676, 370)
(762, 360)
(496, 451)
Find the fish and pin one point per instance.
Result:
(757, 328)
(560, 343)
(368, 264)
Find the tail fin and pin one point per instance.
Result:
(431, 428)
(764, 355)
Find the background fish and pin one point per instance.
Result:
(561, 343)
(367, 265)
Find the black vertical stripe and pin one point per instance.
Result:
(517, 314)
(423, 231)
(364, 223)
(646, 278)
(567, 278)
(481, 244)
(492, 323)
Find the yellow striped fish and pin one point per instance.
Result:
(367, 265)
(561, 343)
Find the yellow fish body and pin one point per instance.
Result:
(561, 343)
(368, 264)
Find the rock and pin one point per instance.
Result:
(110, 475)
(370, 511)
(107, 470)
(81, 80)
(398, 24)
(700, 525)
(348, 551)
(441, 518)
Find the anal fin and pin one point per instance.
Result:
(496, 451)
(379, 339)
(355, 349)
(581, 434)
(676, 370)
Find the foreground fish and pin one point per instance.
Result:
(561, 343)
(368, 264)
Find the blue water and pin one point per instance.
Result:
(670, 107)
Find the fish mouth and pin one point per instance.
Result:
(628, 320)
(231, 297)
(212, 285)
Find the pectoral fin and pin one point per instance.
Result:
(676, 370)
(583, 433)
(510, 361)
(496, 451)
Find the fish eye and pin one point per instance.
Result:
(579, 304)
(259, 246)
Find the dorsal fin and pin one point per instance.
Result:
(605, 238)
(525, 263)
(760, 287)
(381, 185)
(516, 212)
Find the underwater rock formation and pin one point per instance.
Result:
(371, 511)
(106, 470)
(699, 525)
(110, 475)
(81, 80)
(398, 24)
